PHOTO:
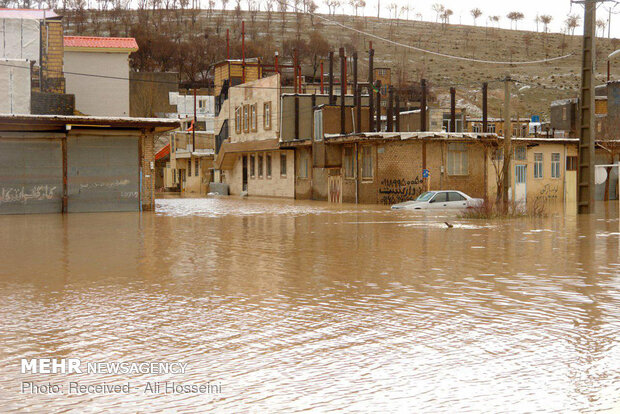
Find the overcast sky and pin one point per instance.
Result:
(559, 9)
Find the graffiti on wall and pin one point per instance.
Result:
(20, 195)
(549, 192)
(393, 191)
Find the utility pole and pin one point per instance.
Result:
(587, 136)
(507, 142)
(194, 126)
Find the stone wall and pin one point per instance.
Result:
(52, 103)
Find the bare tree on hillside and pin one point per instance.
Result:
(476, 13)
(572, 22)
(357, 4)
(601, 25)
(514, 17)
(545, 19)
(269, 9)
(405, 10)
(438, 8)
(224, 3)
(393, 9)
(537, 21)
(495, 19)
(445, 16)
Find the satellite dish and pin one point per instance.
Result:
(600, 175)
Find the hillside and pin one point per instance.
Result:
(197, 39)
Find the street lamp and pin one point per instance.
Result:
(617, 52)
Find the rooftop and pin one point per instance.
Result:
(101, 43)
(34, 14)
(10, 122)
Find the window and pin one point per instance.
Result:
(564, 114)
(254, 117)
(267, 115)
(520, 153)
(238, 120)
(196, 167)
(458, 159)
(303, 164)
(367, 164)
(349, 162)
(555, 165)
(318, 125)
(452, 196)
(252, 164)
(491, 128)
(498, 154)
(201, 104)
(283, 164)
(441, 198)
(477, 128)
(538, 165)
(571, 163)
(174, 176)
(246, 119)
(268, 167)
(189, 167)
(260, 166)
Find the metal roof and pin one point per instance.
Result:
(33, 14)
(92, 42)
(46, 122)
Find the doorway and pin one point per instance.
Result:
(520, 185)
(245, 173)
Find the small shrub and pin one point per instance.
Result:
(491, 210)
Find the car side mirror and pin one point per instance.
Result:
(432, 201)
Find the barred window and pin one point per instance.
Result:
(367, 162)
(458, 159)
(283, 164)
(349, 162)
(538, 165)
(555, 165)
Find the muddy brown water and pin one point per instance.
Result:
(293, 306)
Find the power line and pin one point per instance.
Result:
(492, 62)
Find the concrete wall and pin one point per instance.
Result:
(546, 188)
(257, 92)
(99, 96)
(277, 185)
(613, 109)
(306, 114)
(52, 103)
(14, 86)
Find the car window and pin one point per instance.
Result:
(452, 196)
(425, 196)
(441, 198)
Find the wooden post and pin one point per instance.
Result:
(423, 126)
(331, 77)
(65, 190)
(452, 110)
(397, 112)
(390, 110)
(378, 103)
(371, 112)
(343, 90)
(507, 142)
(485, 109)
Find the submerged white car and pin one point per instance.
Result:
(446, 199)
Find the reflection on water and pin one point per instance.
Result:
(309, 306)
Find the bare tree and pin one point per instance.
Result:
(545, 19)
(357, 4)
(445, 16)
(405, 10)
(514, 17)
(476, 13)
(572, 22)
(393, 9)
(438, 8)
(601, 25)
(496, 20)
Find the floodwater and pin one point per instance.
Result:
(303, 306)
